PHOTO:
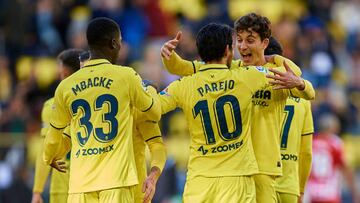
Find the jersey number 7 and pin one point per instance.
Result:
(289, 110)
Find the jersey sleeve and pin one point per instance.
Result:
(279, 61)
(308, 126)
(150, 132)
(305, 157)
(45, 117)
(41, 170)
(178, 66)
(308, 93)
(143, 98)
(168, 97)
(60, 115)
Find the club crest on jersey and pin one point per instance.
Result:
(261, 69)
(165, 92)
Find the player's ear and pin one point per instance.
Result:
(265, 43)
(114, 44)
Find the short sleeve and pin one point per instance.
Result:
(141, 99)
(60, 114)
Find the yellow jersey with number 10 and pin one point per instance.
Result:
(217, 104)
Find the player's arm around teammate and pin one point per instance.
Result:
(147, 131)
(287, 76)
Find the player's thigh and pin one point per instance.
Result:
(286, 198)
(58, 198)
(88, 197)
(235, 189)
(121, 194)
(198, 189)
(265, 188)
(220, 189)
(138, 194)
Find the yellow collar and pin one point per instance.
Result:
(95, 62)
(213, 67)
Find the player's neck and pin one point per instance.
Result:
(99, 55)
(261, 61)
(221, 61)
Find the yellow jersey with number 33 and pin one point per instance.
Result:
(217, 104)
(97, 101)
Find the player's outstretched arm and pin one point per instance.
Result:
(144, 98)
(289, 80)
(173, 62)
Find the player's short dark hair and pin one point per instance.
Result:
(274, 47)
(257, 23)
(70, 58)
(212, 39)
(100, 31)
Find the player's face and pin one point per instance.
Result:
(251, 47)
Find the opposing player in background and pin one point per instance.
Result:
(252, 34)
(295, 143)
(69, 63)
(97, 102)
(328, 164)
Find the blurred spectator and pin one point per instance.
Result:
(5, 81)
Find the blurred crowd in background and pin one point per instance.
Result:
(321, 36)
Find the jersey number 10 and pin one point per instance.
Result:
(202, 108)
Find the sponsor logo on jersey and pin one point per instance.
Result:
(221, 148)
(94, 151)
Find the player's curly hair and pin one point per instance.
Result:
(212, 39)
(257, 23)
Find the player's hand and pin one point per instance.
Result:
(36, 198)
(59, 166)
(300, 200)
(287, 80)
(169, 46)
(149, 185)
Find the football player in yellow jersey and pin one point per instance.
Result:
(252, 34)
(295, 143)
(217, 104)
(68, 64)
(97, 103)
(147, 133)
(296, 150)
